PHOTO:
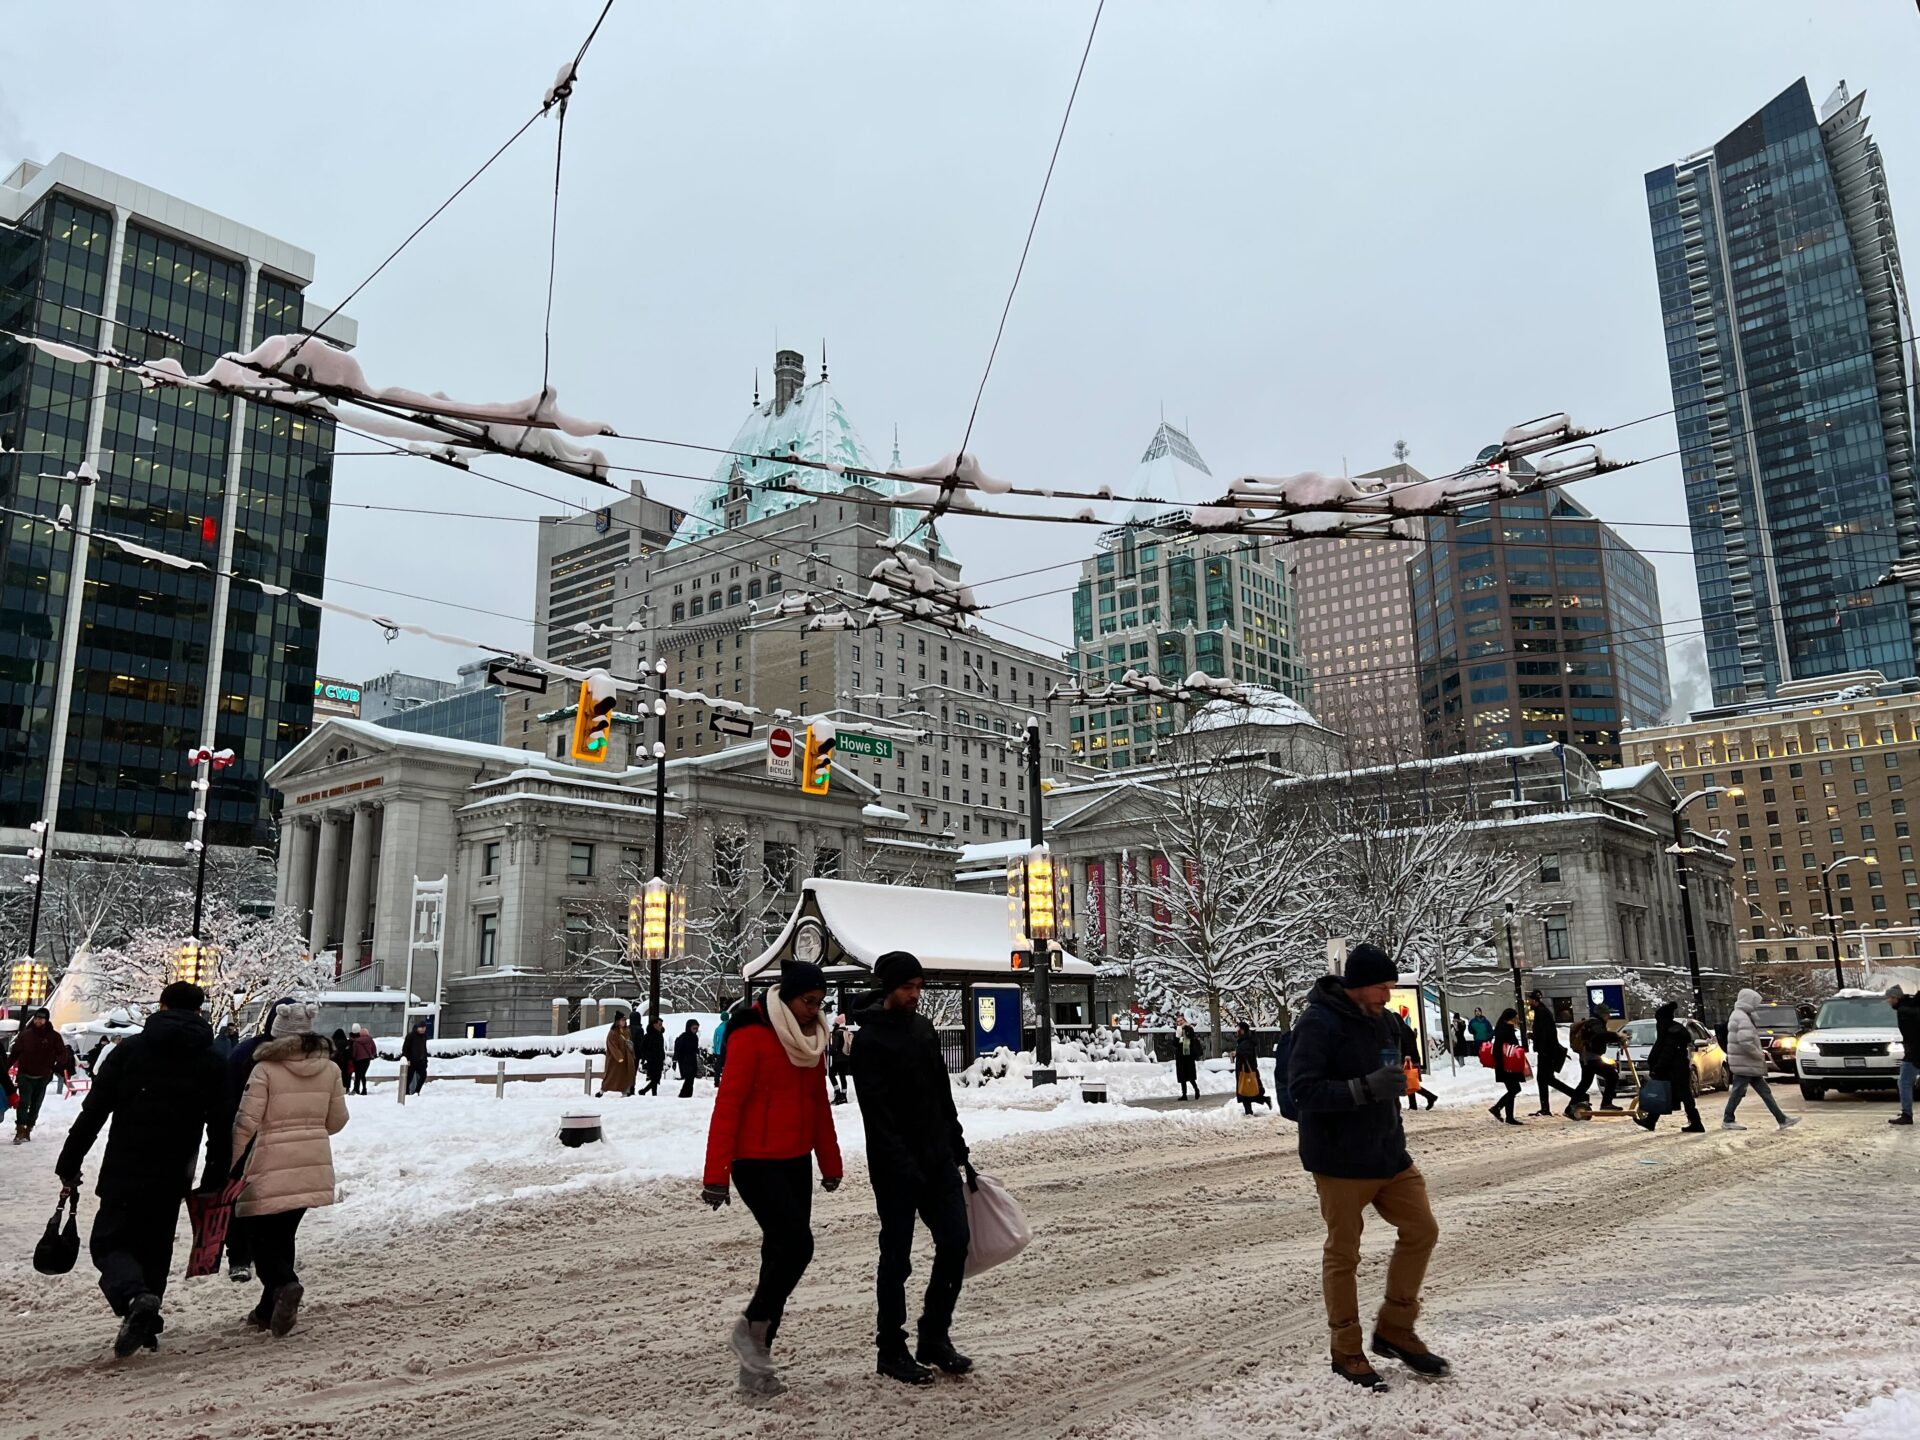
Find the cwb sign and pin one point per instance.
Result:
(336, 697)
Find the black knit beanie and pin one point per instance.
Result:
(1368, 965)
(797, 977)
(896, 968)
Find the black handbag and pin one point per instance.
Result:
(59, 1248)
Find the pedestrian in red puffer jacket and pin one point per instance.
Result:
(772, 1116)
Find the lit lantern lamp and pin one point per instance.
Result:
(27, 985)
(192, 964)
(1039, 899)
(657, 921)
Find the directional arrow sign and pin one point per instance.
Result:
(725, 724)
(873, 747)
(780, 754)
(516, 677)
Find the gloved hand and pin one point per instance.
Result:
(973, 1176)
(829, 1183)
(715, 1196)
(1389, 1082)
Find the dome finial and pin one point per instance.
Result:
(823, 360)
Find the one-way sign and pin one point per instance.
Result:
(725, 724)
(516, 677)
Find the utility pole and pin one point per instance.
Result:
(659, 819)
(1686, 910)
(1042, 964)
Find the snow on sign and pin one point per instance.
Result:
(873, 747)
(780, 754)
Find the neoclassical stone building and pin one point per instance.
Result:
(541, 854)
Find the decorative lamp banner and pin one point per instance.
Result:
(1097, 899)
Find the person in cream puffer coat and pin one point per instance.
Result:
(293, 1103)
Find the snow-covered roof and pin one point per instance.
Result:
(1263, 707)
(1171, 476)
(950, 932)
(1626, 777)
(881, 812)
(510, 756)
(994, 852)
(812, 426)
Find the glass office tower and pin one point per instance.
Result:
(1789, 345)
(80, 247)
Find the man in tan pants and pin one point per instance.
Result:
(1345, 1081)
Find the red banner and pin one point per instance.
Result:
(1096, 900)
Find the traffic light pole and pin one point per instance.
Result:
(205, 807)
(659, 818)
(1042, 969)
(39, 884)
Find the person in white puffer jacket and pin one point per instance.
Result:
(1747, 1063)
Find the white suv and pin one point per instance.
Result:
(1854, 1045)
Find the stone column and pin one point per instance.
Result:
(283, 863)
(300, 868)
(353, 926)
(326, 874)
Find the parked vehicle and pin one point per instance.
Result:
(1781, 1027)
(1854, 1045)
(1708, 1059)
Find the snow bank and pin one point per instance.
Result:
(1891, 1417)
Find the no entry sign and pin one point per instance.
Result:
(780, 754)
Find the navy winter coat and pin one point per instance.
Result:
(1335, 1042)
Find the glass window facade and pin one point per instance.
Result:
(1786, 323)
(141, 665)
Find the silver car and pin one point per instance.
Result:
(1708, 1060)
(1854, 1045)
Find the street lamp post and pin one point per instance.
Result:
(1833, 932)
(1038, 894)
(208, 762)
(657, 954)
(1680, 852)
(37, 853)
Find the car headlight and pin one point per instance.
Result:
(1789, 1042)
(1809, 1047)
(1897, 1050)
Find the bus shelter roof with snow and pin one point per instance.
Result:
(961, 940)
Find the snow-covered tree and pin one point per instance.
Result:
(253, 955)
(1225, 906)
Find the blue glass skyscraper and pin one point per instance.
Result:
(1789, 342)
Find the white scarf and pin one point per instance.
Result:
(804, 1048)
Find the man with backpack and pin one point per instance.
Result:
(1591, 1041)
(1345, 1082)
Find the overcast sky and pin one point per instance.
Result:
(1306, 231)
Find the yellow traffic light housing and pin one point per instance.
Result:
(816, 770)
(593, 719)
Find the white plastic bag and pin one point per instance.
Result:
(997, 1228)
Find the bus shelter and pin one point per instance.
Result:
(963, 942)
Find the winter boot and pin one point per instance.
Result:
(261, 1316)
(286, 1308)
(19, 1134)
(240, 1274)
(1645, 1122)
(749, 1340)
(939, 1353)
(896, 1364)
(1355, 1370)
(1693, 1129)
(140, 1327)
(1410, 1351)
(1901, 1120)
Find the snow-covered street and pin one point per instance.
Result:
(479, 1280)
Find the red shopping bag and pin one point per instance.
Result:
(210, 1212)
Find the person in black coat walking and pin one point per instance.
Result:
(686, 1058)
(1186, 1061)
(1671, 1059)
(652, 1050)
(1548, 1053)
(839, 1057)
(1410, 1050)
(1509, 1064)
(1592, 1040)
(414, 1051)
(1346, 1081)
(1906, 1014)
(162, 1091)
(916, 1152)
(1246, 1071)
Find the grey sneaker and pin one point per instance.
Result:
(1730, 1125)
(1789, 1122)
(749, 1342)
(240, 1274)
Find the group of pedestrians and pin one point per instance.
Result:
(267, 1111)
(773, 1120)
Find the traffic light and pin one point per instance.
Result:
(817, 770)
(593, 719)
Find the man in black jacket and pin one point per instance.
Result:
(653, 1054)
(1346, 1080)
(1592, 1041)
(915, 1153)
(162, 1089)
(1906, 1013)
(1548, 1053)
